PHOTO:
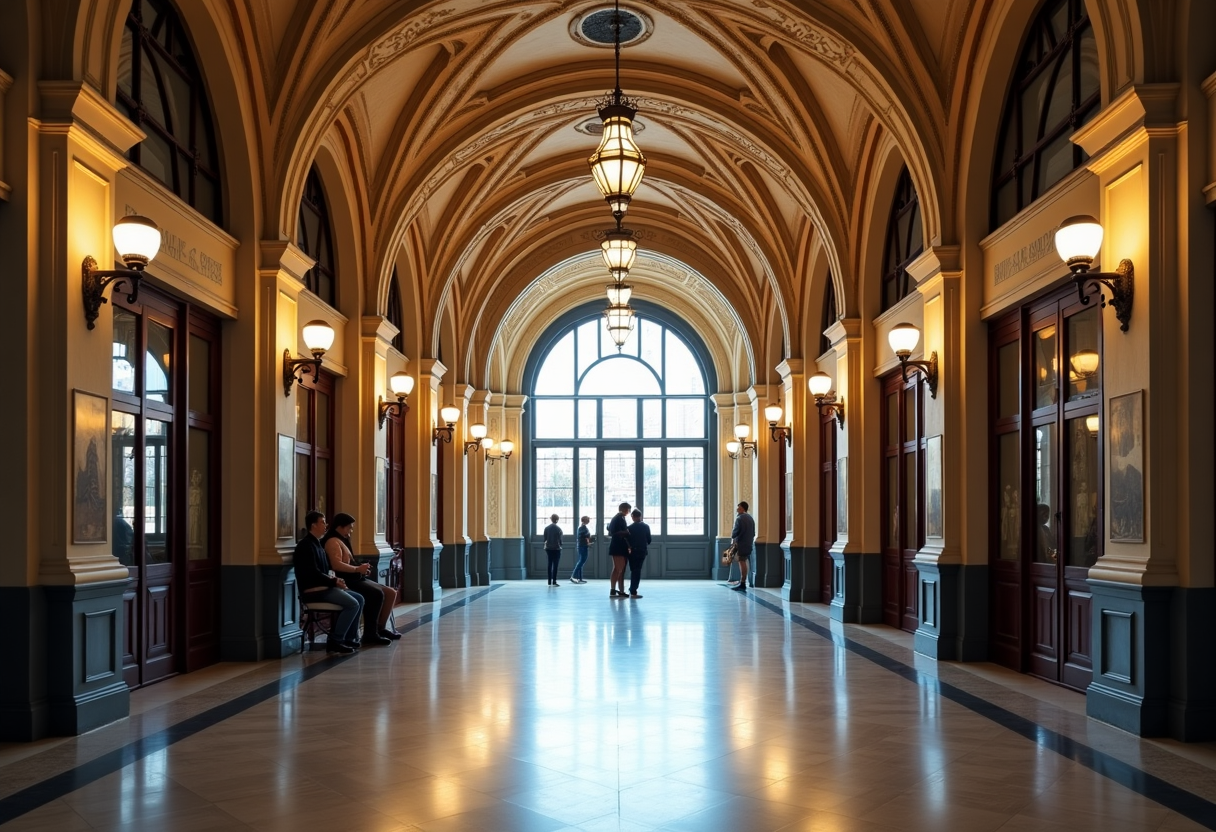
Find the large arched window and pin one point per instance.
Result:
(632, 426)
(160, 88)
(317, 239)
(393, 313)
(1055, 90)
(905, 242)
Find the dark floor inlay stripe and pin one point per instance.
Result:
(61, 785)
(1141, 782)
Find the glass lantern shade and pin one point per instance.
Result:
(1091, 424)
(1085, 363)
(318, 337)
(619, 249)
(477, 430)
(1078, 241)
(742, 431)
(506, 446)
(617, 165)
(487, 443)
(903, 338)
(619, 293)
(401, 384)
(773, 413)
(137, 240)
(450, 414)
(819, 384)
(733, 447)
(619, 320)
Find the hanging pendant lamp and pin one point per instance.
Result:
(617, 165)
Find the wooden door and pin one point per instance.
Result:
(827, 503)
(903, 506)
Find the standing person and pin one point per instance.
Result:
(553, 547)
(618, 548)
(639, 541)
(377, 600)
(318, 583)
(584, 539)
(743, 535)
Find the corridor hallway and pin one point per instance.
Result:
(522, 707)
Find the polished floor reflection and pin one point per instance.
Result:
(522, 707)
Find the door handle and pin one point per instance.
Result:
(1058, 517)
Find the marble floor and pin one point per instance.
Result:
(522, 707)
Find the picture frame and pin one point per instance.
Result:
(1125, 444)
(286, 481)
(842, 496)
(934, 514)
(90, 467)
(381, 496)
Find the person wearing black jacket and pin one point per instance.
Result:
(337, 547)
(318, 583)
(639, 542)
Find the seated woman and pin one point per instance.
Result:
(378, 600)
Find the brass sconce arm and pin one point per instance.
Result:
(444, 433)
(1120, 283)
(830, 401)
(781, 433)
(96, 280)
(294, 369)
(928, 369)
(398, 408)
(742, 448)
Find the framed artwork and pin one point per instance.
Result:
(934, 521)
(842, 495)
(1126, 438)
(90, 458)
(381, 497)
(285, 502)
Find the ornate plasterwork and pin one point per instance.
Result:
(816, 39)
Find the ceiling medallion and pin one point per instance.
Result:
(594, 27)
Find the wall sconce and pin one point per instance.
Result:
(741, 447)
(137, 240)
(506, 446)
(903, 339)
(401, 385)
(318, 337)
(820, 386)
(1092, 424)
(478, 430)
(1078, 241)
(449, 415)
(780, 433)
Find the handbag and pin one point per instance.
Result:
(730, 555)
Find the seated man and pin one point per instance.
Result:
(378, 599)
(317, 583)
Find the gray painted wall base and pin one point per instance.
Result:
(768, 565)
(454, 565)
(479, 563)
(953, 609)
(802, 575)
(1192, 706)
(24, 715)
(1131, 651)
(420, 575)
(718, 572)
(857, 587)
(84, 686)
(507, 559)
(259, 612)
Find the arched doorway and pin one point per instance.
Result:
(607, 426)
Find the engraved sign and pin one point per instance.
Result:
(1025, 257)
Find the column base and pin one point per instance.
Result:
(953, 608)
(507, 557)
(856, 588)
(420, 575)
(454, 565)
(479, 563)
(84, 686)
(768, 565)
(24, 715)
(259, 612)
(802, 574)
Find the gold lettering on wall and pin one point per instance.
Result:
(1024, 257)
(189, 256)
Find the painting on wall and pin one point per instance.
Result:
(934, 521)
(842, 496)
(285, 506)
(1126, 434)
(89, 465)
(381, 497)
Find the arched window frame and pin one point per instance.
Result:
(180, 150)
(905, 241)
(829, 315)
(393, 313)
(316, 239)
(1060, 47)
